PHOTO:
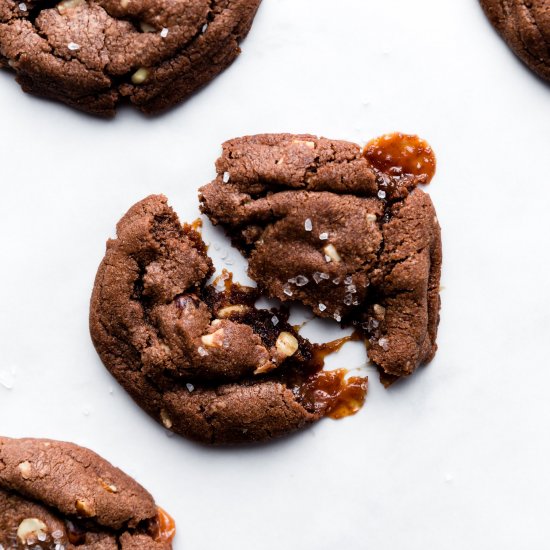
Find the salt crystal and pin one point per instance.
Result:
(275, 320)
(202, 351)
(190, 387)
(351, 289)
(323, 236)
(23, 6)
(308, 225)
(287, 290)
(57, 534)
(348, 299)
(317, 277)
(226, 177)
(337, 317)
(325, 276)
(336, 281)
(328, 258)
(348, 280)
(42, 536)
(383, 343)
(381, 194)
(356, 302)
(301, 280)
(164, 32)
(204, 27)
(73, 46)
(322, 307)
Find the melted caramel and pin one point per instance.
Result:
(401, 155)
(166, 526)
(329, 391)
(197, 225)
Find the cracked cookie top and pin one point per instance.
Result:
(91, 53)
(525, 26)
(342, 231)
(56, 495)
(199, 357)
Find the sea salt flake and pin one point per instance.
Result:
(287, 291)
(164, 32)
(73, 46)
(202, 351)
(301, 280)
(336, 281)
(323, 236)
(348, 299)
(328, 258)
(204, 27)
(325, 276)
(381, 194)
(23, 6)
(351, 289)
(308, 225)
(317, 277)
(348, 280)
(189, 387)
(42, 536)
(322, 307)
(337, 317)
(226, 177)
(275, 320)
(383, 343)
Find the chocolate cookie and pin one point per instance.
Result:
(199, 358)
(90, 54)
(525, 26)
(321, 225)
(56, 495)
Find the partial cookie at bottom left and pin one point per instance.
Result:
(59, 496)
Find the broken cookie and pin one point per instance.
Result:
(56, 495)
(341, 230)
(199, 357)
(90, 54)
(525, 27)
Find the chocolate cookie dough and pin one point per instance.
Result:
(321, 225)
(90, 54)
(56, 496)
(525, 26)
(199, 358)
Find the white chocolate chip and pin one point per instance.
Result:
(84, 508)
(229, 310)
(332, 253)
(145, 27)
(25, 469)
(310, 144)
(31, 528)
(124, 3)
(140, 76)
(66, 5)
(213, 340)
(266, 367)
(166, 420)
(286, 344)
(379, 311)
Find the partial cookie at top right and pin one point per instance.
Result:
(345, 231)
(525, 26)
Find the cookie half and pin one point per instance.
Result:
(525, 26)
(198, 357)
(321, 226)
(56, 495)
(90, 54)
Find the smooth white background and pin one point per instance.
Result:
(456, 457)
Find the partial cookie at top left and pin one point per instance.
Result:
(91, 54)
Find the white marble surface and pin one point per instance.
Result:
(457, 457)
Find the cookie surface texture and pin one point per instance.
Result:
(59, 495)
(90, 54)
(319, 226)
(525, 26)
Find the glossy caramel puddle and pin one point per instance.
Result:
(400, 155)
